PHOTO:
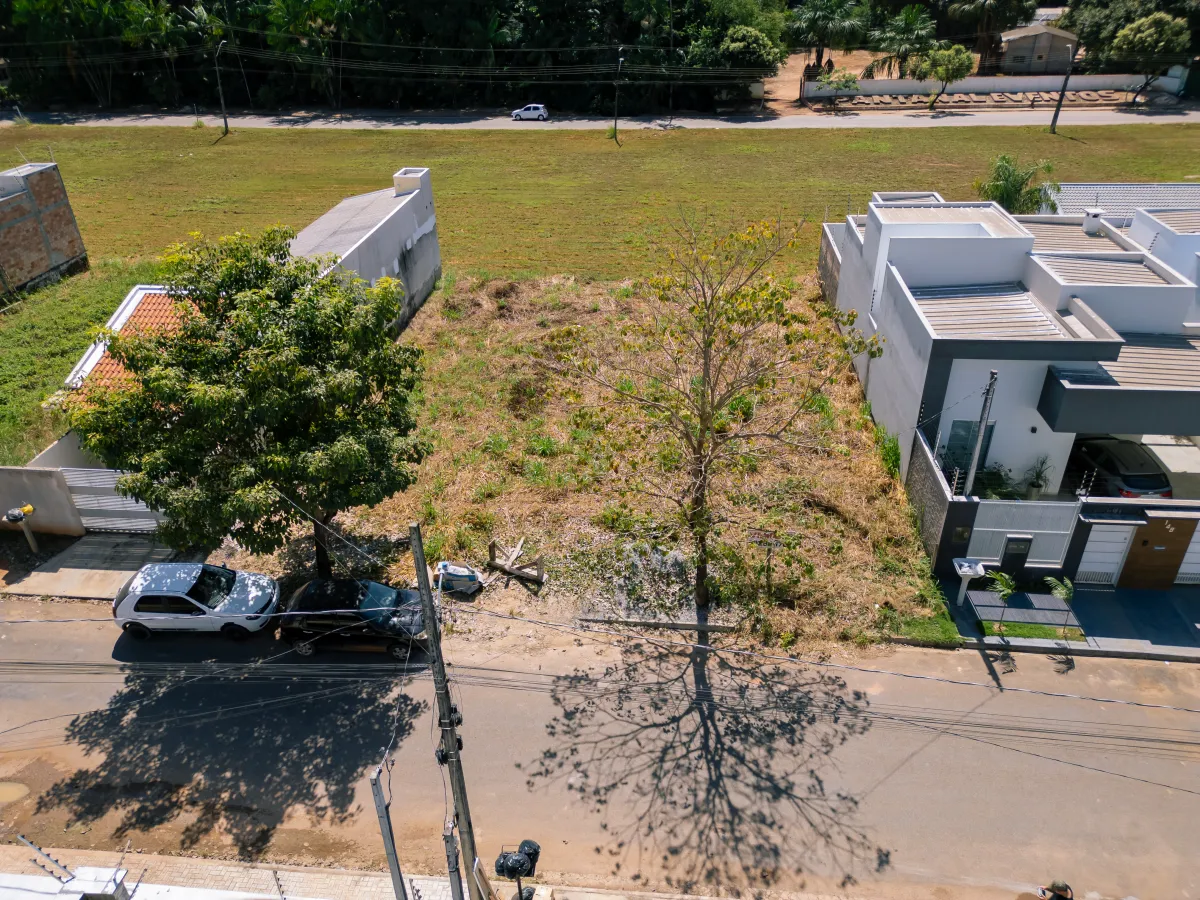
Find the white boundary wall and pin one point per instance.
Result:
(1050, 523)
(988, 84)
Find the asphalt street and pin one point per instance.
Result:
(389, 120)
(959, 776)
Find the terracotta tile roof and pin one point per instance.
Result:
(154, 312)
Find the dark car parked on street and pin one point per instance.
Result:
(353, 614)
(1115, 467)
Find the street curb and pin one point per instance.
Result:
(1036, 645)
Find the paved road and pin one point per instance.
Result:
(386, 120)
(888, 787)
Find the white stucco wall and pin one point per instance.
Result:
(1014, 410)
(65, 453)
(47, 490)
(897, 378)
(987, 84)
(943, 261)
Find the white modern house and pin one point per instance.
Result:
(1091, 323)
(391, 232)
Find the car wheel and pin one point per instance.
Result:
(235, 632)
(541, 118)
(399, 651)
(304, 648)
(136, 630)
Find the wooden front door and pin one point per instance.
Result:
(1156, 552)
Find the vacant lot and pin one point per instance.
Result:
(570, 218)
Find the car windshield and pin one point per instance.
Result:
(386, 608)
(212, 586)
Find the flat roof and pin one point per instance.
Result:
(1156, 360)
(347, 223)
(1090, 270)
(1067, 236)
(1185, 221)
(987, 311)
(996, 221)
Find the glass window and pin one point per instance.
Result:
(151, 604)
(212, 586)
(960, 444)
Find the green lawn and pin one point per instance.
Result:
(508, 203)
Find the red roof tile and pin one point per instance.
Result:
(154, 312)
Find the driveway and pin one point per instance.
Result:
(92, 568)
(368, 119)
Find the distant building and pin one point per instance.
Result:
(39, 239)
(1037, 49)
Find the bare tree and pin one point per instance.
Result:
(718, 367)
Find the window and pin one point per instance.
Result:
(1019, 58)
(960, 444)
(962, 534)
(212, 586)
(166, 605)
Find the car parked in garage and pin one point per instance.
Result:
(195, 597)
(353, 614)
(1116, 467)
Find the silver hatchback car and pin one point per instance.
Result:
(195, 597)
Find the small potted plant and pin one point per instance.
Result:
(1037, 477)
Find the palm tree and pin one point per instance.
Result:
(1011, 185)
(908, 34)
(990, 18)
(827, 23)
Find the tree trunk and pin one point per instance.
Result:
(820, 55)
(321, 538)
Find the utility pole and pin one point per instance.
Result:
(452, 861)
(1063, 92)
(617, 93)
(670, 60)
(385, 828)
(220, 92)
(988, 393)
(449, 717)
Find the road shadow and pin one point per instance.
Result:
(229, 747)
(712, 768)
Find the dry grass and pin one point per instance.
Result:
(514, 458)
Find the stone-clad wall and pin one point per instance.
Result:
(39, 239)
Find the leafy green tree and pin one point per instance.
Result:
(1011, 185)
(991, 17)
(909, 33)
(943, 66)
(718, 373)
(825, 24)
(1150, 45)
(1097, 23)
(283, 382)
(154, 24)
(837, 81)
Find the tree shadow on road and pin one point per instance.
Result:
(715, 765)
(234, 753)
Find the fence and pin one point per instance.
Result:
(996, 84)
(1050, 523)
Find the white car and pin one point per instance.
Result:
(532, 111)
(195, 597)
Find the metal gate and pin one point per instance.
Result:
(94, 493)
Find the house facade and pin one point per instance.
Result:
(1086, 325)
(1037, 49)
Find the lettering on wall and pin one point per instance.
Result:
(998, 98)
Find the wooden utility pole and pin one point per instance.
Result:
(220, 92)
(988, 393)
(449, 717)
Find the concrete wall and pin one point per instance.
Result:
(896, 380)
(945, 261)
(1041, 53)
(1014, 444)
(404, 245)
(1179, 251)
(1051, 525)
(982, 85)
(47, 490)
(65, 453)
(829, 259)
(39, 239)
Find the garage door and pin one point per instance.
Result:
(1104, 553)
(94, 492)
